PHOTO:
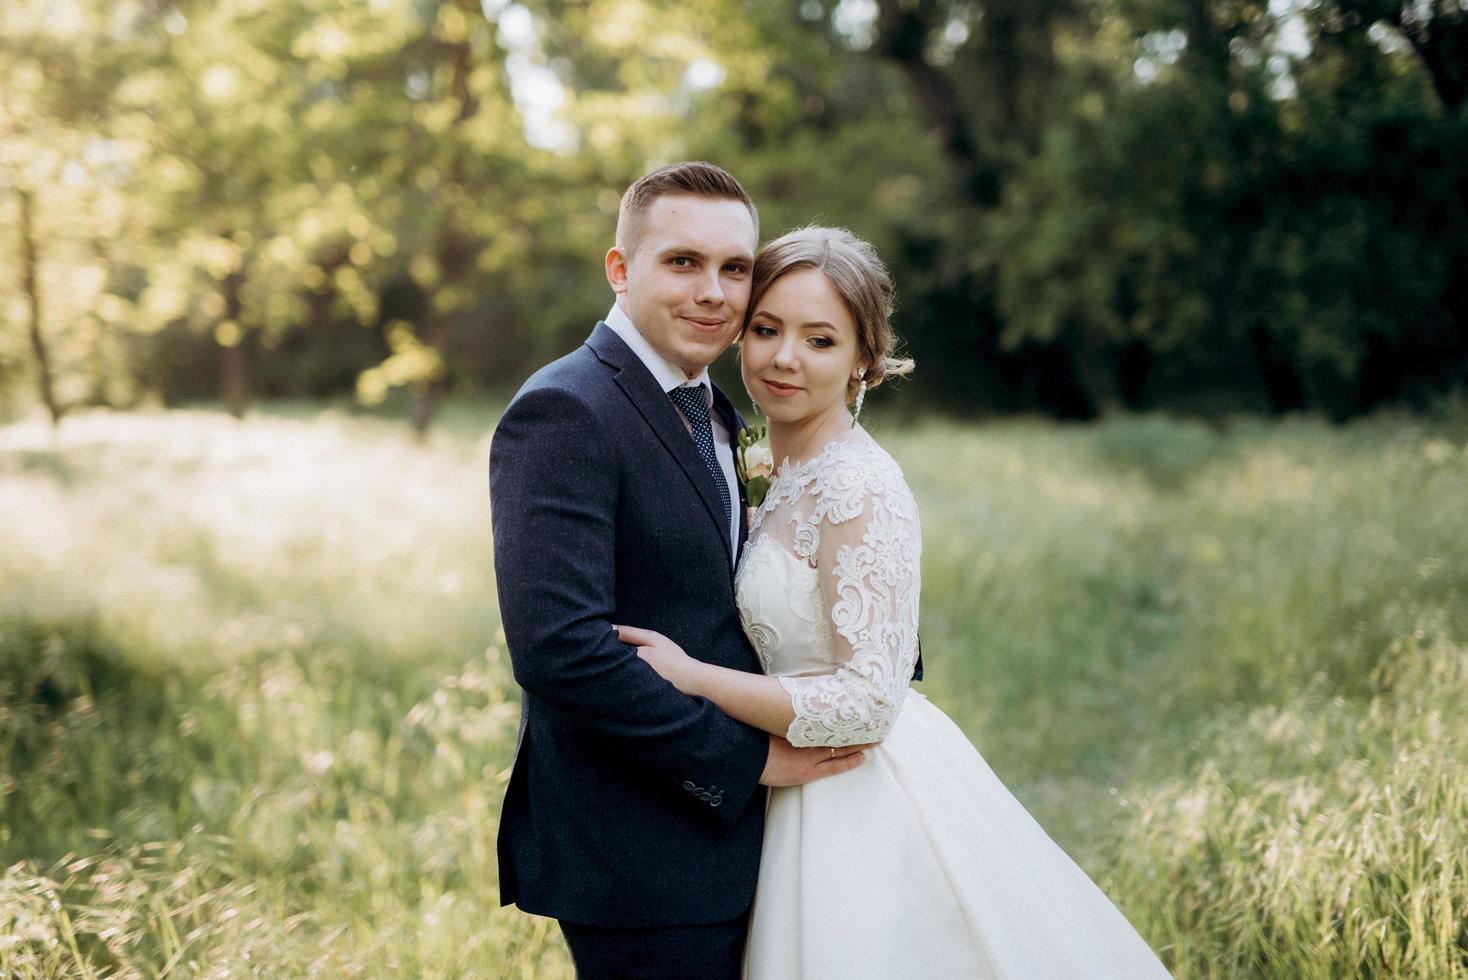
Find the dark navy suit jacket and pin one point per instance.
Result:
(630, 804)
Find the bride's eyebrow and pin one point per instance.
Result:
(811, 325)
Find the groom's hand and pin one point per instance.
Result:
(788, 766)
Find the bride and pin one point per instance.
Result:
(918, 863)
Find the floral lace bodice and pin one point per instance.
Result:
(828, 591)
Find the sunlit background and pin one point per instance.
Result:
(1184, 283)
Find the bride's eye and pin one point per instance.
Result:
(822, 343)
(763, 330)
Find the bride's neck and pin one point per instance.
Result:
(799, 440)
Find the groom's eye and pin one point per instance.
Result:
(681, 261)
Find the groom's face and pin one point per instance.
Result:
(685, 280)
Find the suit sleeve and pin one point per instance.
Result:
(554, 486)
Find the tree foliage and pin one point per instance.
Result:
(1199, 204)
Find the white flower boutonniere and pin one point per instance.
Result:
(754, 464)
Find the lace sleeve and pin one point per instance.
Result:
(867, 552)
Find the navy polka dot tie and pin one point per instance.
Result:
(696, 411)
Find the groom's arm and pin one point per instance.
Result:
(553, 497)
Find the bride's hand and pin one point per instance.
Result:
(664, 656)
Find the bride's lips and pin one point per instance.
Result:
(780, 390)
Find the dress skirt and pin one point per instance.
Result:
(920, 864)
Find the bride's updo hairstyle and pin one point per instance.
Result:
(851, 265)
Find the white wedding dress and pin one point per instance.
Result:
(918, 863)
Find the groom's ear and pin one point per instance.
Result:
(616, 263)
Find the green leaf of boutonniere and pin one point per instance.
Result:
(754, 464)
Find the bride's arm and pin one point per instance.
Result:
(759, 701)
(867, 552)
(867, 555)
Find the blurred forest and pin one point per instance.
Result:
(1088, 205)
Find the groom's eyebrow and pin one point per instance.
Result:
(698, 253)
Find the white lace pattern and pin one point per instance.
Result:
(828, 591)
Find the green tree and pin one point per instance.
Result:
(63, 186)
(1243, 217)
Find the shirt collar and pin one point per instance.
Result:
(667, 375)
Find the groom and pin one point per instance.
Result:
(634, 812)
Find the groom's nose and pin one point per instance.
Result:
(710, 289)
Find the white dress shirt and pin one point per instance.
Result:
(670, 376)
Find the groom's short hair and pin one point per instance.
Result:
(695, 177)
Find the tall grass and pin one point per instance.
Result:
(255, 716)
(1229, 670)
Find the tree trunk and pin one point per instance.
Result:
(1281, 380)
(425, 403)
(903, 39)
(1092, 365)
(456, 246)
(29, 282)
(1442, 44)
(1133, 367)
(236, 377)
(1207, 49)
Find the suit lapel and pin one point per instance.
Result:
(657, 409)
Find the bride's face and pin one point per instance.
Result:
(800, 349)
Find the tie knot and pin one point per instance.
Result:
(691, 400)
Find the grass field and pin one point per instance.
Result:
(255, 716)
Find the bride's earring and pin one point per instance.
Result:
(861, 393)
(752, 403)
